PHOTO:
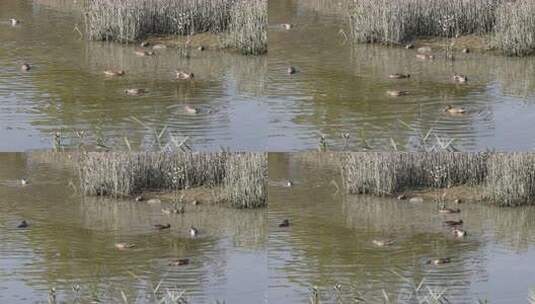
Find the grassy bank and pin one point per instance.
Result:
(509, 25)
(506, 179)
(242, 23)
(240, 176)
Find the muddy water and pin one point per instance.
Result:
(341, 88)
(71, 241)
(330, 243)
(67, 91)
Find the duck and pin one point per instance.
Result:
(454, 110)
(162, 226)
(458, 201)
(114, 72)
(143, 53)
(449, 210)
(14, 21)
(399, 76)
(424, 49)
(184, 75)
(24, 181)
(159, 47)
(453, 223)
(174, 210)
(425, 56)
(190, 109)
(402, 197)
(409, 46)
(465, 50)
(179, 262)
(459, 78)
(286, 26)
(396, 93)
(135, 92)
(139, 198)
(23, 224)
(459, 233)
(144, 44)
(195, 203)
(291, 70)
(382, 243)
(193, 232)
(25, 67)
(122, 246)
(201, 48)
(439, 261)
(289, 184)
(285, 223)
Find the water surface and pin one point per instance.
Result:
(330, 239)
(71, 241)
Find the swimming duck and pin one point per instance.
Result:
(454, 110)
(402, 197)
(162, 227)
(458, 201)
(439, 261)
(173, 211)
(459, 233)
(291, 70)
(23, 224)
(286, 26)
(122, 246)
(466, 50)
(425, 56)
(14, 21)
(201, 48)
(139, 198)
(195, 203)
(184, 75)
(396, 93)
(114, 72)
(382, 243)
(25, 67)
(24, 181)
(453, 223)
(159, 47)
(459, 78)
(135, 92)
(399, 76)
(193, 232)
(143, 53)
(190, 109)
(449, 210)
(144, 44)
(285, 223)
(289, 184)
(179, 262)
(424, 49)
(409, 46)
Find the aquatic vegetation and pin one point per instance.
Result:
(510, 23)
(245, 180)
(248, 27)
(125, 21)
(504, 179)
(242, 176)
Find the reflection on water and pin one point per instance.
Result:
(71, 241)
(330, 242)
(341, 88)
(66, 89)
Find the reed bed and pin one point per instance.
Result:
(126, 174)
(506, 179)
(245, 180)
(131, 20)
(386, 173)
(510, 24)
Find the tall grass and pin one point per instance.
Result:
(245, 180)
(131, 20)
(506, 179)
(389, 173)
(515, 28)
(511, 24)
(248, 27)
(241, 176)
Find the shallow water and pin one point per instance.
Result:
(71, 241)
(66, 90)
(330, 238)
(341, 88)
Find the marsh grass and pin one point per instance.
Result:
(504, 179)
(131, 20)
(126, 174)
(511, 24)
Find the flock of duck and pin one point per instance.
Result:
(454, 225)
(142, 52)
(193, 232)
(423, 53)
